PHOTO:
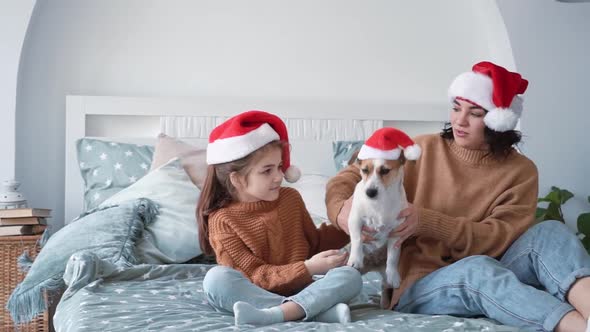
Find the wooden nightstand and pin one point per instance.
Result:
(11, 247)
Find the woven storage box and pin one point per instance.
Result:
(10, 248)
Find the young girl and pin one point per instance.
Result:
(262, 235)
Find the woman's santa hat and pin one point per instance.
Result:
(245, 133)
(387, 143)
(494, 89)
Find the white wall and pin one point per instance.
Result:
(378, 50)
(551, 48)
(14, 20)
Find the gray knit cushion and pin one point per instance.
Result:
(109, 232)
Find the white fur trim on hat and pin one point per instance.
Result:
(412, 152)
(474, 87)
(233, 148)
(368, 152)
(292, 174)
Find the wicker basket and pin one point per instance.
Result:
(10, 248)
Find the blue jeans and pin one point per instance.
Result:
(225, 286)
(526, 288)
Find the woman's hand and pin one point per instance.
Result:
(324, 261)
(407, 228)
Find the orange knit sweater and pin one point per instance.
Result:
(468, 204)
(269, 241)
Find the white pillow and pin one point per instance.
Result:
(173, 237)
(312, 188)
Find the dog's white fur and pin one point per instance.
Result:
(380, 213)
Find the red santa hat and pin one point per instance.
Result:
(496, 90)
(387, 143)
(245, 133)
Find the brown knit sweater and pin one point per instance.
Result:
(269, 241)
(468, 203)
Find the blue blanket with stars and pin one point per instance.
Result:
(170, 298)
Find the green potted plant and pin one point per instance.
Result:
(556, 198)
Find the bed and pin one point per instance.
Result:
(151, 293)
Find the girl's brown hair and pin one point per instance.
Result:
(218, 191)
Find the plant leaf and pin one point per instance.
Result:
(584, 223)
(540, 214)
(553, 212)
(554, 196)
(565, 195)
(586, 243)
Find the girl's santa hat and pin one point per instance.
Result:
(494, 89)
(245, 133)
(387, 143)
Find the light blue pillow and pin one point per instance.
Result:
(109, 167)
(109, 232)
(173, 237)
(343, 151)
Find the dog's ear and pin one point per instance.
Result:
(354, 159)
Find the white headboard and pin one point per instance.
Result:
(140, 120)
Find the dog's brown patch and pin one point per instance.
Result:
(390, 171)
(366, 166)
(387, 171)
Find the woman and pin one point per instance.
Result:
(468, 245)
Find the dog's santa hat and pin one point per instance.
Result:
(494, 89)
(245, 133)
(387, 143)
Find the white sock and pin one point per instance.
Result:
(340, 313)
(588, 325)
(245, 313)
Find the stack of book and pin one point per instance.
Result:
(24, 221)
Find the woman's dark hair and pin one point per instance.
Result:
(218, 191)
(500, 143)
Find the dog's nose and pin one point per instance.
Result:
(371, 192)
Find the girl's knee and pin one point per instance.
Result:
(218, 277)
(352, 276)
(347, 271)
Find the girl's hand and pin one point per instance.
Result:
(324, 261)
(408, 227)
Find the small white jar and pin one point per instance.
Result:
(10, 198)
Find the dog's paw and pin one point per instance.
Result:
(393, 278)
(355, 262)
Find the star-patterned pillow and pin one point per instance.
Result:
(343, 151)
(108, 167)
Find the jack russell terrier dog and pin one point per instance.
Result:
(377, 201)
